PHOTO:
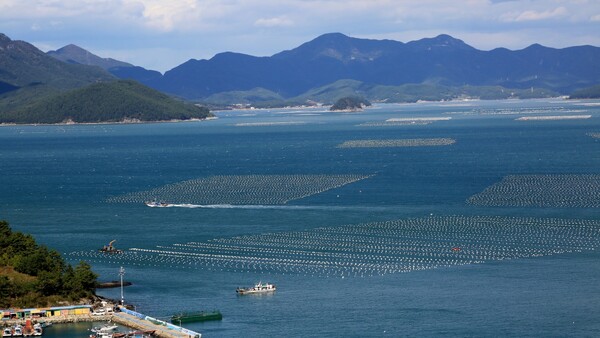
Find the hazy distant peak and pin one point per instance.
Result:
(74, 54)
(342, 48)
(444, 41)
(71, 49)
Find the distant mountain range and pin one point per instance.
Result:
(320, 71)
(38, 88)
(440, 62)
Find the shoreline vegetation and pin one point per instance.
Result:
(250, 108)
(127, 121)
(406, 93)
(32, 275)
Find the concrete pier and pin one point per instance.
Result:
(142, 322)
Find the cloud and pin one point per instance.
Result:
(55, 9)
(531, 15)
(174, 14)
(281, 21)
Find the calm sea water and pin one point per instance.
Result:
(55, 182)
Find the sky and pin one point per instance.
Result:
(162, 34)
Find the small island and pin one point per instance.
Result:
(350, 103)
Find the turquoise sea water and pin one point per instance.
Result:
(56, 182)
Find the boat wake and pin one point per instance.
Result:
(266, 206)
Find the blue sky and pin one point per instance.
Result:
(161, 34)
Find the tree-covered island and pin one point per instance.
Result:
(350, 103)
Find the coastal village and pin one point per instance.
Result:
(31, 322)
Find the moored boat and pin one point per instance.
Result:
(7, 332)
(37, 329)
(188, 317)
(18, 331)
(259, 287)
(105, 328)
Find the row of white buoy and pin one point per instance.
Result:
(577, 191)
(269, 124)
(375, 248)
(403, 121)
(522, 111)
(594, 135)
(553, 117)
(392, 124)
(241, 189)
(415, 142)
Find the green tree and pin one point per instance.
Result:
(6, 291)
(81, 281)
(50, 282)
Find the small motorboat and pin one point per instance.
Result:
(157, 204)
(18, 331)
(105, 328)
(38, 330)
(7, 332)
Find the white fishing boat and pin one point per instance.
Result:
(18, 331)
(259, 287)
(38, 329)
(105, 328)
(157, 204)
(7, 332)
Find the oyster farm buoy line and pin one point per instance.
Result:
(405, 121)
(594, 135)
(559, 191)
(369, 249)
(241, 189)
(417, 142)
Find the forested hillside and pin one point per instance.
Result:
(33, 275)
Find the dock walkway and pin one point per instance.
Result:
(161, 328)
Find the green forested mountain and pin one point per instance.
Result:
(22, 65)
(587, 93)
(37, 88)
(32, 275)
(115, 101)
(330, 93)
